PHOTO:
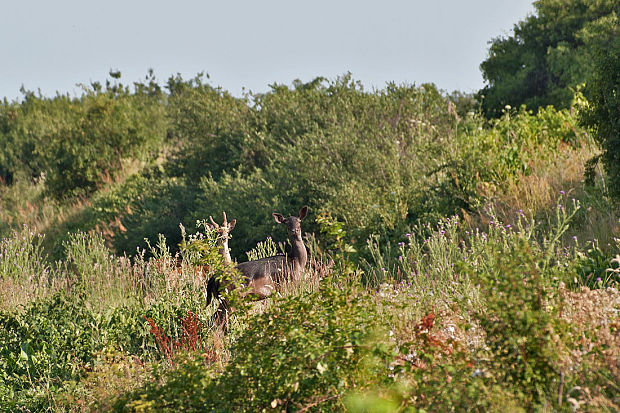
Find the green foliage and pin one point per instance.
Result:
(54, 339)
(87, 256)
(208, 129)
(334, 235)
(203, 249)
(518, 322)
(77, 144)
(602, 113)
(376, 161)
(306, 350)
(264, 249)
(372, 166)
(143, 207)
(312, 347)
(45, 344)
(522, 137)
(595, 268)
(548, 56)
(426, 257)
(517, 367)
(22, 256)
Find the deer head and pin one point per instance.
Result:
(224, 235)
(293, 224)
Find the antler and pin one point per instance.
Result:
(218, 226)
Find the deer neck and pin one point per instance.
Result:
(225, 253)
(298, 252)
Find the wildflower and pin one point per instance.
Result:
(411, 356)
(400, 258)
(383, 269)
(508, 226)
(401, 244)
(598, 279)
(562, 193)
(408, 235)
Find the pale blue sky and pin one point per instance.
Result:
(53, 45)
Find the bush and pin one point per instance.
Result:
(602, 113)
(44, 345)
(518, 364)
(518, 320)
(304, 351)
(79, 144)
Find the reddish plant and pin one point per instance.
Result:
(190, 340)
(428, 342)
(423, 331)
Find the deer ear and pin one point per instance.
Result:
(303, 212)
(278, 217)
(232, 224)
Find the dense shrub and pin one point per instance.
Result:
(602, 114)
(377, 161)
(53, 340)
(46, 344)
(208, 129)
(80, 143)
(306, 350)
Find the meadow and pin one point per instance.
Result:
(456, 262)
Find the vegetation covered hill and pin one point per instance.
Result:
(457, 262)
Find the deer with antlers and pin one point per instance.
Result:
(263, 276)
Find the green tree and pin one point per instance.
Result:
(548, 56)
(602, 113)
(80, 143)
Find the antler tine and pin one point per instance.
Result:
(225, 222)
(216, 226)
